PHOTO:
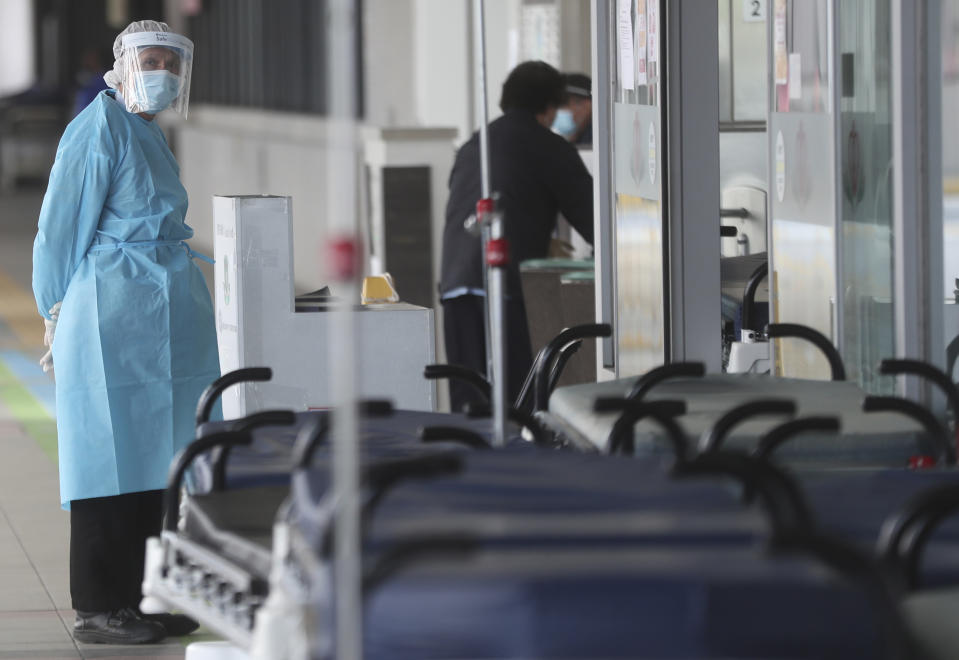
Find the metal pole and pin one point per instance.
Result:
(497, 254)
(479, 45)
(479, 48)
(341, 264)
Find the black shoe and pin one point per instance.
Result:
(122, 626)
(176, 625)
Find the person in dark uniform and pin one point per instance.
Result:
(537, 175)
(574, 120)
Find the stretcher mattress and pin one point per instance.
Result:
(267, 460)
(875, 439)
(618, 603)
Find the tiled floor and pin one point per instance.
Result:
(35, 614)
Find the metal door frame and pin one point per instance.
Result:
(917, 184)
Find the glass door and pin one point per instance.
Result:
(831, 167)
(802, 196)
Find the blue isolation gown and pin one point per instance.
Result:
(135, 342)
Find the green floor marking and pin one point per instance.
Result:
(28, 412)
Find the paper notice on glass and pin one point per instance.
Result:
(795, 76)
(640, 43)
(779, 43)
(625, 36)
(652, 31)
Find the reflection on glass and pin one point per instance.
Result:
(865, 190)
(639, 267)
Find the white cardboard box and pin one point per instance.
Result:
(257, 324)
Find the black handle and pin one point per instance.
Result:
(457, 372)
(945, 452)
(410, 551)
(727, 231)
(777, 330)
(927, 371)
(171, 497)
(458, 434)
(904, 534)
(215, 389)
(662, 412)
(523, 400)
(784, 432)
(544, 362)
(565, 353)
(221, 454)
(714, 436)
(749, 295)
(658, 374)
(781, 497)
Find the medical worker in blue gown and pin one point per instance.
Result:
(129, 324)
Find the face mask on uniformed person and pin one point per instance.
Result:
(564, 124)
(160, 88)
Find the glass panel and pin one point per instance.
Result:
(637, 187)
(950, 170)
(802, 182)
(749, 61)
(866, 190)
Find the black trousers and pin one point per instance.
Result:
(464, 329)
(107, 547)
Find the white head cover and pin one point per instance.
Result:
(153, 68)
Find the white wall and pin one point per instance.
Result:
(388, 63)
(16, 46)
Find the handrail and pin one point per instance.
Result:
(714, 436)
(749, 295)
(215, 389)
(946, 453)
(782, 498)
(819, 340)
(464, 374)
(929, 372)
(779, 435)
(657, 375)
(171, 496)
(904, 534)
(662, 412)
(220, 455)
(543, 365)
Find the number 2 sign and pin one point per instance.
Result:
(754, 11)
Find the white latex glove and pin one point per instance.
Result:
(49, 330)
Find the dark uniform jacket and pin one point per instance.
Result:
(537, 175)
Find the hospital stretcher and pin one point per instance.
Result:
(656, 538)
(635, 525)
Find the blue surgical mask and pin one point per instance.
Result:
(160, 88)
(564, 124)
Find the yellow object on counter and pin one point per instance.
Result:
(379, 289)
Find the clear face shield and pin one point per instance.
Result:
(158, 67)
